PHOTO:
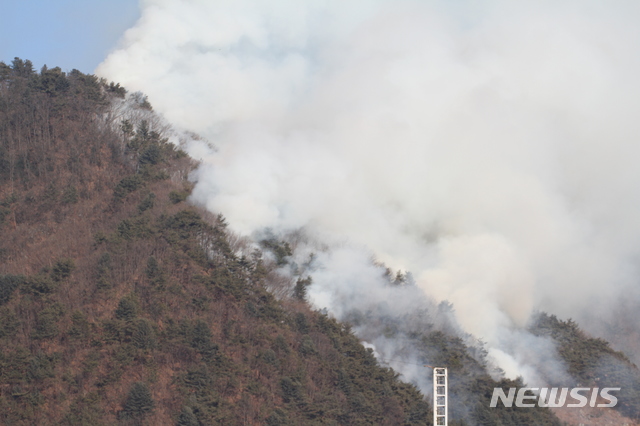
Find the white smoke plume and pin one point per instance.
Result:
(489, 147)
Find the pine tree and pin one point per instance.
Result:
(139, 402)
(127, 309)
(187, 418)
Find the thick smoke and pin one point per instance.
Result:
(488, 147)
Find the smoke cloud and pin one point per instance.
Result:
(488, 147)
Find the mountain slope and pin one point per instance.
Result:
(120, 303)
(123, 304)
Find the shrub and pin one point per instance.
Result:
(8, 284)
(144, 336)
(99, 238)
(186, 223)
(126, 186)
(103, 272)
(270, 357)
(15, 365)
(153, 269)
(151, 155)
(139, 402)
(134, 228)
(281, 344)
(47, 322)
(302, 323)
(291, 389)
(280, 249)
(70, 195)
(40, 285)
(41, 367)
(85, 410)
(114, 330)
(307, 347)
(62, 270)
(117, 90)
(154, 273)
(187, 418)
(4, 212)
(178, 196)
(300, 289)
(147, 202)
(277, 418)
(8, 323)
(201, 339)
(79, 326)
(127, 308)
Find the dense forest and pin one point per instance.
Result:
(121, 303)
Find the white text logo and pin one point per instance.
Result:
(554, 397)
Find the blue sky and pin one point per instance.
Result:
(65, 33)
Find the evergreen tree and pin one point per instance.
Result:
(300, 289)
(139, 402)
(127, 309)
(187, 418)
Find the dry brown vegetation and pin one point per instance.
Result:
(122, 304)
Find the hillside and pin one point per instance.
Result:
(592, 362)
(121, 303)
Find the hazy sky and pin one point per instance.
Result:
(65, 33)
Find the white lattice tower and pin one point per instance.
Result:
(440, 396)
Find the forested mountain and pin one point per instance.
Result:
(121, 303)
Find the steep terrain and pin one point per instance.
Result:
(120, 303)
(123, 304)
